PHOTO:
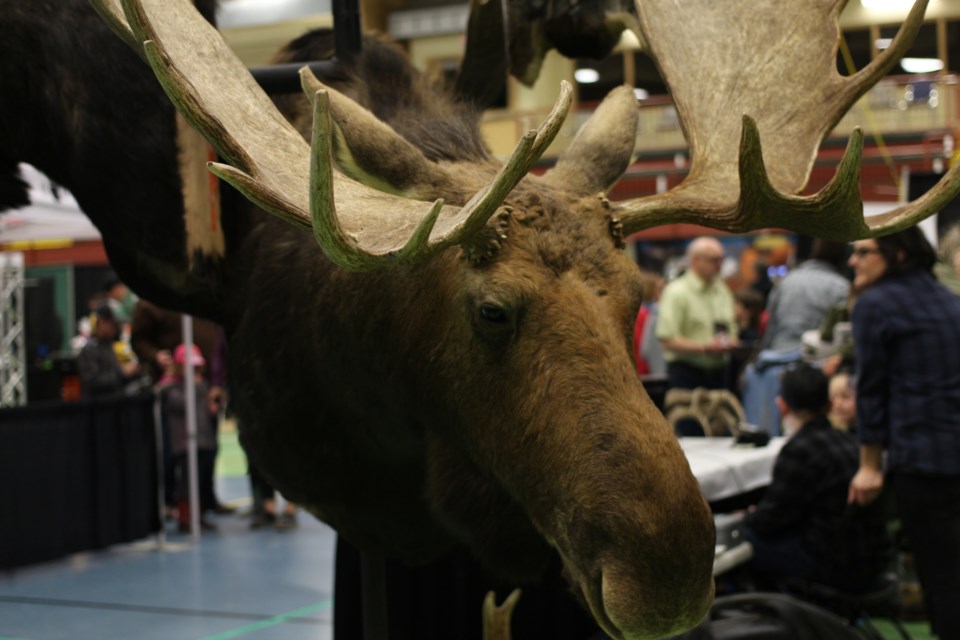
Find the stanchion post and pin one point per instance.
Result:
(191, 395)
(160, 448)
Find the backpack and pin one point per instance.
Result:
(769, 616)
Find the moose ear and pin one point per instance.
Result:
(602, 149)
(369, 151)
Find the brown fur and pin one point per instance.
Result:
(427, 424)
(416, 108)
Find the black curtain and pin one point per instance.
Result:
(444, 599)
(76, 477)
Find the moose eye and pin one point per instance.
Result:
(495, 322)
(493, 314)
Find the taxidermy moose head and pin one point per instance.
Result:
(452, 365)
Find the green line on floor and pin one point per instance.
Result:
(270, 622)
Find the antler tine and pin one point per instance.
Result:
(835, 212)
(910, 214)
(112, 13)
(214, 91)
(496, 620)
(528, 150)
(420, 243)
(271, 161)
(339, 246)
(326, 227)
(551, 126)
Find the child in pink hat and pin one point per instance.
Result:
(174, 406)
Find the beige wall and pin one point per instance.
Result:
(543, 94)
(256, 45)
(423, 51)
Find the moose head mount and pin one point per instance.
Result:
(468, 326)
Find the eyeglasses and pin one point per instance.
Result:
(861, 252)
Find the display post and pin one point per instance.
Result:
(191, 395)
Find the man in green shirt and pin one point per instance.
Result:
(696, 323)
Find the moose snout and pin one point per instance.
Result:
(650, 608)
(644, 573)
(644, 600)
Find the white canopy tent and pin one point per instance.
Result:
(53, 214)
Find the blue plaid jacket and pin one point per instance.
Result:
(907, 336)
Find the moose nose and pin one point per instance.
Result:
(655, 611)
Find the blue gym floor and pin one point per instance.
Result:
(234, 583)
(263, 584)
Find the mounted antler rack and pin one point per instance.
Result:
(285, 78)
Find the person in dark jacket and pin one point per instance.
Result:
(101, 374)
(906, 330)
(803, 527)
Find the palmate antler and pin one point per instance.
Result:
(766, 70)
(273, 166)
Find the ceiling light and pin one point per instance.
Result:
(641, 94)
(586, 76)
(921, 65)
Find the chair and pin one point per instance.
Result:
(882, 602)
(716, 411)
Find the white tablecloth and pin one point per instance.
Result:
(725, 470)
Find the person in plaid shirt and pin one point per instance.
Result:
(803, 527)
(906, 329)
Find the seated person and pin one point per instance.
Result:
(803, 527)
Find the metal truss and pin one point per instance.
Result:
(13, 346)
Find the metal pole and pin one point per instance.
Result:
(285, 78)
(160, 446)
(347, 40)
(346, 28)
(191, 394)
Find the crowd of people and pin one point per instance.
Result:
(853, 358)
(129, 346)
